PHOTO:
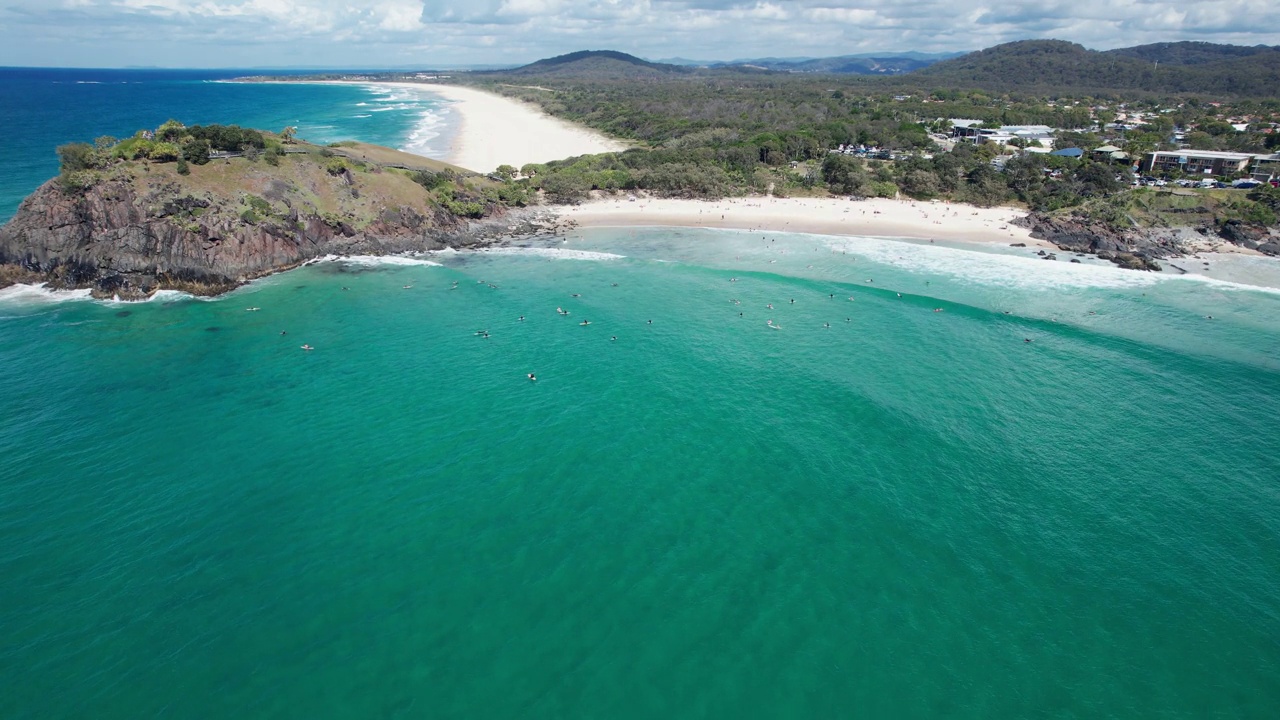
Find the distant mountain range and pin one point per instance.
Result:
(600, 63)
(1055, 65)
(884, 63)
(1042, 66)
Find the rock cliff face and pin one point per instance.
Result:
(133, 233)
(1137, 251)
(1142, 249)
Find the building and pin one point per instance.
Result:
(1198, 162)
(1266, 168)
(969, 131)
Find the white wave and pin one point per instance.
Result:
(362, 104)
(376, 260)
(549, 253)
(361, 117)
(88, 82)
(1018, 271)
(985, 268)
(157, 296)
(40, 295)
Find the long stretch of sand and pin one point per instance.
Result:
(493, 130)
(823, 216)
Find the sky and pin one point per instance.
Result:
(448, 33)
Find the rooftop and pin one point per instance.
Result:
(1213, 154)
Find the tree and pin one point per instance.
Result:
(195, 150)
(75, 157)
(287, 135)
(920, 184)
(843, 175)
(1024, 175)
(506, 171)
(1097, 179)
(170, 131)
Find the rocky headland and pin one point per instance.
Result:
(1144, 248)
(136, 227)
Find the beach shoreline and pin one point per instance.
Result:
(492, 130)
(876, 217)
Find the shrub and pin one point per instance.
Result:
(77, 181)
(164, 152)
(76, 156)
(183, 168)
(430, 180)
(882, 189)
(258, 205)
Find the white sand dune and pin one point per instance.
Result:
(494, 130)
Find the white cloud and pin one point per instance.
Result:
(441, 32)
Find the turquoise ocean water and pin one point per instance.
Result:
(911, 513)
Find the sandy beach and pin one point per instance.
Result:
(824, 216)
(493, 130)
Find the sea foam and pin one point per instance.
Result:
(549, 253)
(377, 260)
(25, 294)
(987, 268)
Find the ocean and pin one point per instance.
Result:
(942, 482)
(41, 109)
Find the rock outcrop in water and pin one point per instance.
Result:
(141, 227)
(1142, 248)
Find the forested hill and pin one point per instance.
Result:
(1191, 53)
(1055, 66)
(844, 65)
(598, 64)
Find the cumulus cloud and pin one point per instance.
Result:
(444, 32)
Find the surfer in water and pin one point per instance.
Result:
(521, 318)
(308, 347)
(584, 323)
(533, 377)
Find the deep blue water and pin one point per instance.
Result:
(41, 109)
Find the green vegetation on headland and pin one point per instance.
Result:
(451, 189)
(204, 209)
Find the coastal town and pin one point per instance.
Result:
(1177, 162)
